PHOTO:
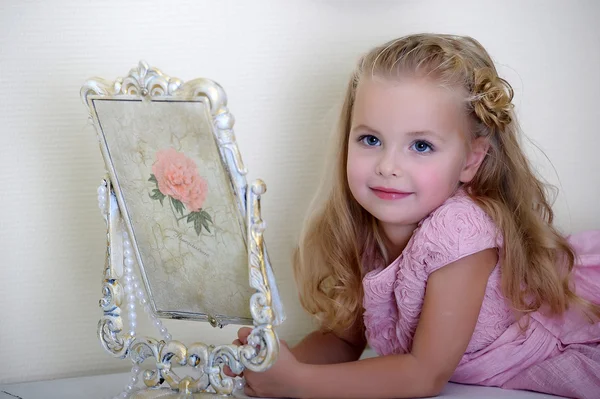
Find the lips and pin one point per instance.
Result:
(389, 193)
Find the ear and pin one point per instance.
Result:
(475, 156)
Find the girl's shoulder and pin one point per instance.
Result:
(460, 212)
(456, 229)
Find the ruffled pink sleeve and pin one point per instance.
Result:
(457, 229)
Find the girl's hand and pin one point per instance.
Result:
(282, 380)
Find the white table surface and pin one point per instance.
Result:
(105, 386)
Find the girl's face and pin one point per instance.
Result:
(409, 148)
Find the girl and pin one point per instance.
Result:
(436, 246)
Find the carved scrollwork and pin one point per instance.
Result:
(145, 348)
(224, 122)
(110, 326)
(260, 303)
(141, 81)
(207, 360)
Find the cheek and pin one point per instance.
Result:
(429, 178)
(357, 168)
(355, 177)
(351, 170)
(436, 177)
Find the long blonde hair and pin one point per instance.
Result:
(536, 259)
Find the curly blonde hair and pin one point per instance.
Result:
(536, 259)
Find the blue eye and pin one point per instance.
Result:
(369, 140)
(422, 146)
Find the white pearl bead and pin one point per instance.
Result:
(128, 271)
(168, 337)
(136, 369)
(126, 243)
(131, 298)
(163, 331)
(132, 317)
(147, 309)
(129, 388)
(128, 289)
(157, 323)
(128, 252)
(129, 262)
(131, 306)
(239, 384)
(143, 300)
(102, 189)
(134, 380)
(123, 395)
(136, 285)
(127, 279)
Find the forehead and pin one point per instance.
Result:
(409, 104)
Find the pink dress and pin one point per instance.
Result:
(559, 356)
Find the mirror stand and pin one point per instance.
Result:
(121, 288)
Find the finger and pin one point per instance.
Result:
(243, 334)
(227, 371)
(249, 391)
(237, 342)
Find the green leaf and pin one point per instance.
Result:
(197, 226)
(207, 216)
(178, 205)
(200, 219)
(153, 179)
(157, 195)
(191, 217)
(205, 224)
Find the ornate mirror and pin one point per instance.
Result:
(184, 232)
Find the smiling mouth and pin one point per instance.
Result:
(389, 193)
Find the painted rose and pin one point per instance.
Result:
(177, 176)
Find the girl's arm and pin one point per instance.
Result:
(450, 311)
(320, 347)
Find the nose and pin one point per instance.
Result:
(388, 165)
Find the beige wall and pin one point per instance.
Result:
(284, 66)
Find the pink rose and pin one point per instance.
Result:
(177, 176)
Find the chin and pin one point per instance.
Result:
(397, 218)
(399, 222)
(385, 217)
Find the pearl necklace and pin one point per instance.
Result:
(132, 290)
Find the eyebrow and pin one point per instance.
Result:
(411, 134)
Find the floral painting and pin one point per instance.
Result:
(177, 180)
(178, 199)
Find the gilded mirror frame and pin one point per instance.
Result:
(144, 84)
